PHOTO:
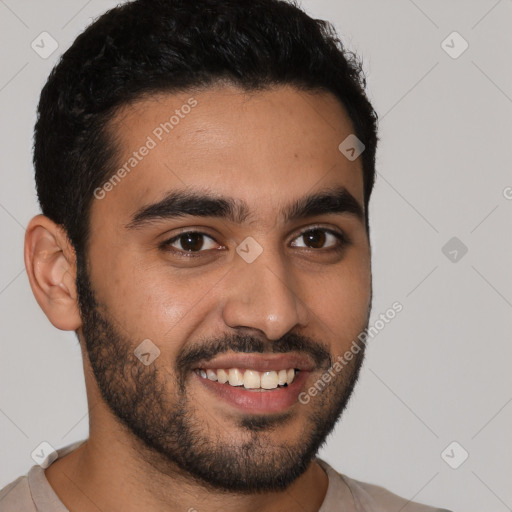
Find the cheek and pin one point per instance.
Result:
(153, 302)
(343, 300)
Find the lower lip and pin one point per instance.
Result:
(256, 400)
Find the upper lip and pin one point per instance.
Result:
(258, 362)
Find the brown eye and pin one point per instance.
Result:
(317, 238)
(190, 242)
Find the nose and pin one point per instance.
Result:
(263, 295)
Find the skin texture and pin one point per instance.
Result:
(268, 149)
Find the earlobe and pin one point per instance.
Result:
(51, 268)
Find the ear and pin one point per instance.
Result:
(50, 261)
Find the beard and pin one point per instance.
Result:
(165, 423)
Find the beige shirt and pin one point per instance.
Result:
(33, 493)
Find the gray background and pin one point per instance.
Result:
(440, 371)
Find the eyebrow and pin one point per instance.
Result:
(184, 203)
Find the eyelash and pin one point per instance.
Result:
(343, 242)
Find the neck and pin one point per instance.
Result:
(114, 472)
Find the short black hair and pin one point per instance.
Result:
(153, 46)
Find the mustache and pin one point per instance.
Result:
(291, 342)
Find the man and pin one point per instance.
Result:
(204, 171)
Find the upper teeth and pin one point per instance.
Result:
(250, 379)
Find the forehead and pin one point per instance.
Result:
(263, 147)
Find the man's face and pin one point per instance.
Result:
(266, 288)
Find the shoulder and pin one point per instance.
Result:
(32, 492)
(15, 497)
(369, 497)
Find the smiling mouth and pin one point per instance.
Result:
(254, 383)
(248, 378)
